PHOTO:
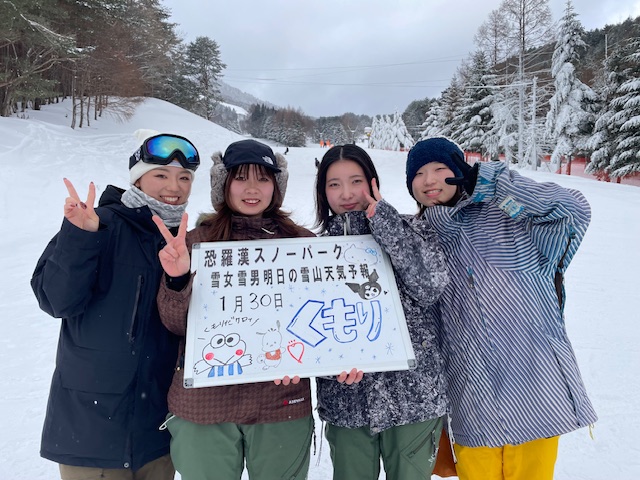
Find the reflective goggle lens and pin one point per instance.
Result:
(164, 148)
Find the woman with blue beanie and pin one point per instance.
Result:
(514, 382)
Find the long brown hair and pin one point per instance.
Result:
(218, 224)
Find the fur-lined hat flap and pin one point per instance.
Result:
(219, 173)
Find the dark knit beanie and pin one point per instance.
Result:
(436, 149)
(247, 152)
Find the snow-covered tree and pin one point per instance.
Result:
(626, 157)
(451, 103)
(616, 138)
(502, 135)
(331, 129)
(475, 115)
(570, 117)
(434, 122)
(390, 133)
(601, 142)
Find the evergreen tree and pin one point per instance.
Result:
(226, 117)
(616, 138)
(257, 120)
(415, 114)
(626, 119)
(450, 105)
(475, 113)
(601, 142)
(31, 46)
(434, 122)
(390, 134)
(502, 135)
(179, 88)
(570, 117)
(155, 46)
(204, 67)
(289, 128)
(331, 129)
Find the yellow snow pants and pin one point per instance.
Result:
(531, 460)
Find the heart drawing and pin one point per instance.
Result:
(296, 350)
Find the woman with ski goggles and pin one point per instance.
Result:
(115, 361)
(163, 149)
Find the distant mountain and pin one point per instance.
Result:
(237, 97)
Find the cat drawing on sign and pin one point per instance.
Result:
(223, 355)
(368, 290)
(272, 347)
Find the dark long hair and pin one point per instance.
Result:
(339, 152)
(219, 223)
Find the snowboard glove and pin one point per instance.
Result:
(469, 174)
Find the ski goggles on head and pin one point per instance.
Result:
(163, 149)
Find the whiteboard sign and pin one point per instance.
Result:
(263, 309)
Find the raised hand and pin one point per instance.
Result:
(174, 257)
(80, 213)
(373, 201)
(469, 174)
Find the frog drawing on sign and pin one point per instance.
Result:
(224, 355)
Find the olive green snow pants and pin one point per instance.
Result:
(272, 451)
(408, 452)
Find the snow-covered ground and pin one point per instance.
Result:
(35, 153)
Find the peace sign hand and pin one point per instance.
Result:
(174, 257)
(371, 209)
(79, 213)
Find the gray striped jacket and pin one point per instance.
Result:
(513, 375)
(388, 399)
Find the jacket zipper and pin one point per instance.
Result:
(422, 444)
(347, 225)
(297, 471)
(295, 474)
(132, 324)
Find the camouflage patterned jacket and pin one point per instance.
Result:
(384, 400)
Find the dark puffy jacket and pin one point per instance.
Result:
(115, 359)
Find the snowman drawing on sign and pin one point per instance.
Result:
(223, 355)
(272, 347)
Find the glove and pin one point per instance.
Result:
(469, 174)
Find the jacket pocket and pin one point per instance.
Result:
(568, 370)
(96, 371)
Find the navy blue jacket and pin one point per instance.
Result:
(115, 359)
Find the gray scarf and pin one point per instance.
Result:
(170, 214)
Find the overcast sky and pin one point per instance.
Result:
(329, 57)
